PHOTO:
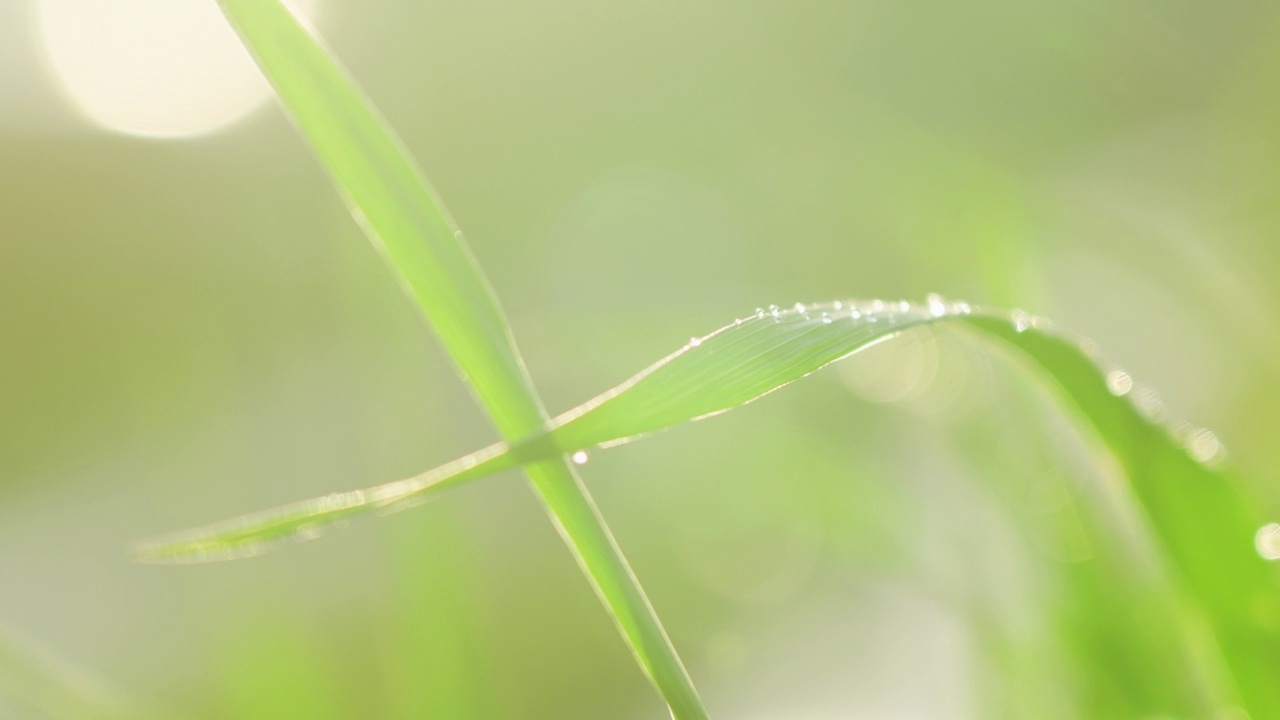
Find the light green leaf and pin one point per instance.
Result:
(1200, 512)
(730, 367)
(405, 219)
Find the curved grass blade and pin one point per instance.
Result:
(1200, 512)
(405, 219)
(1203, 514)
(730, 367)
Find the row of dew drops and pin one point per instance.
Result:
(1201, 444)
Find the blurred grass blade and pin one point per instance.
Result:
(53, 690)
(1203, 515)
(406, 220)
(1199, 511)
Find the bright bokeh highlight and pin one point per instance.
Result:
(151, 68)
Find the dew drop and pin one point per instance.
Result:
(826, 319)
(837, 305)
(309, 531)
(937, 306)
(798, 307)
(1119, 382)
(1267, 541)
(580, 457)
(877, 305)
(759, 313)
(1203, 445)
(961, 308)
(1150, 404)
(904, 306)
(775, 311)
(855, 314)
(695, 341)
(1021, 321)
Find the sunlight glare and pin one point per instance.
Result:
(152, 68)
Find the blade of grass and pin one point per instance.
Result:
(758, 354)
(1201, 513)
(405, 219)
(56, 691)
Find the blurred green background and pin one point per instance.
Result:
(191, 327)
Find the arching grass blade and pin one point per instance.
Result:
(1200, 512)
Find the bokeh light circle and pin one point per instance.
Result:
(152, 68)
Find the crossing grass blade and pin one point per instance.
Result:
(405, 219)
(1200, 512)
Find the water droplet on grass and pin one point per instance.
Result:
(310, 531)
(580, 457)
(1119, 382)
(695, 341)
(937, 306)
(1149, 404)
(1267, 541)
(826, 319)
(1021, 321)
(1203, 445)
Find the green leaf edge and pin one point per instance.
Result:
(1236, 590)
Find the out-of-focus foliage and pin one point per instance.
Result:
(194, 329)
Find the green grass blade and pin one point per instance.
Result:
(405, 219)
(396, 206)
(1200, 512)
(731, 366)
(1204, 516)
(56, 691)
